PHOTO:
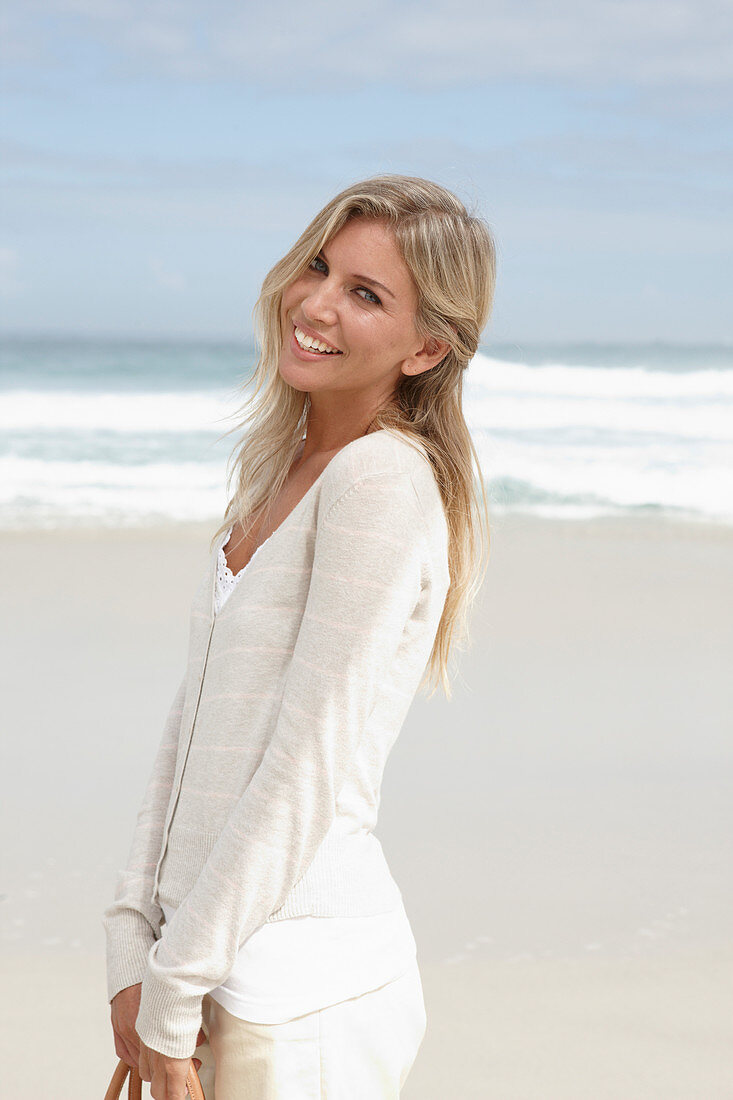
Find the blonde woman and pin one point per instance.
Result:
(257, 927)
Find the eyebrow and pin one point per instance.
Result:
(365, 279)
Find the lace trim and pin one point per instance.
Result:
(222, 556)
(226, 580)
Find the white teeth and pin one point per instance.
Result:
(308, 343)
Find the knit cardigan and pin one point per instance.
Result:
(265, 789)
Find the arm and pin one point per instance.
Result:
(132, 922)
(365, 583)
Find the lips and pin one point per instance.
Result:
(322, 346)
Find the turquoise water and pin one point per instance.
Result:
(126, 432)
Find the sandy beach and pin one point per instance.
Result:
(560, 829)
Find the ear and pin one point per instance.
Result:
(432, 352)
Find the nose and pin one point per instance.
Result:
(319, 305)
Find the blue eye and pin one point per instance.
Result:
(372, 299)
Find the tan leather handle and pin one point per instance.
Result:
(135, 1085)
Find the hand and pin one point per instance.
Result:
(125, 1008)
(167, 1076)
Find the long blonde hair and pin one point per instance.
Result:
(451, 256)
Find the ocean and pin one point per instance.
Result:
(129, 432)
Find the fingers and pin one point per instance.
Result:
(144, 1065)
(126, 1038)
(166, 1076)
(131, 1041)
(166, 1085)
(123, 1051)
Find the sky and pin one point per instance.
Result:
(158, 158)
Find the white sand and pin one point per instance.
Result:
(561, 829)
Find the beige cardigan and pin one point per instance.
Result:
(265, 789)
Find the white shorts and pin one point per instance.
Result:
(360, 1049)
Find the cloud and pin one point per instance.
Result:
(666, 175)
(650, 44)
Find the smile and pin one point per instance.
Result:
(307, 343)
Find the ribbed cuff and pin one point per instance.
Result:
(167, 1021)
(129, 939)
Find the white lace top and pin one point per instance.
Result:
(289, 967)
(226, 581)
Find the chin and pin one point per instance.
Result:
(290, 374)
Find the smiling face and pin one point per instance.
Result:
(358, 298)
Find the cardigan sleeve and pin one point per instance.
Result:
(366, 578)
(132, 921)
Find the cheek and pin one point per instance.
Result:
(375, 337)
(291, 296)
(387, 343)
(286, 303)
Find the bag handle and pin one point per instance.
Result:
(135, 1084)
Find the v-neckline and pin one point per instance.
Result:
(224, 538)
(222, 552)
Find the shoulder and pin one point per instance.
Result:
(385, 459)
(379, 455)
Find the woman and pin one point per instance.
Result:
(257, 924)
